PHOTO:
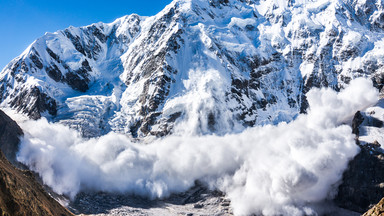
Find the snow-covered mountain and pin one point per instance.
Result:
(222, 65)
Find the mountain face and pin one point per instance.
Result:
(223, 65)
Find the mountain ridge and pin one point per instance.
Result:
(137, 73)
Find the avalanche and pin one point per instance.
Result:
(273, 170)
(212, 90)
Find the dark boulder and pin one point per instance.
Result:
(356, 122)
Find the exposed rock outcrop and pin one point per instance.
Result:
(363, 181)
(10, 134)
(21, 194)
(377, 210)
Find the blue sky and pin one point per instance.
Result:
(22, 21)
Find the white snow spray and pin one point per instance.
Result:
(270, 170)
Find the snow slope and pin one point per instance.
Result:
(215, 66)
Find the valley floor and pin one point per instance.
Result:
(198, 201)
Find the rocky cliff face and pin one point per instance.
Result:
(20, 193)
(363, 181)
(10, 134)
(223, 65)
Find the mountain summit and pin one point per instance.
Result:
(223, 65)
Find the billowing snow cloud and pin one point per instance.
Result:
(271, 170)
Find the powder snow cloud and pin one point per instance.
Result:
(272, 169)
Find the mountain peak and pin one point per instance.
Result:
(244, 62)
